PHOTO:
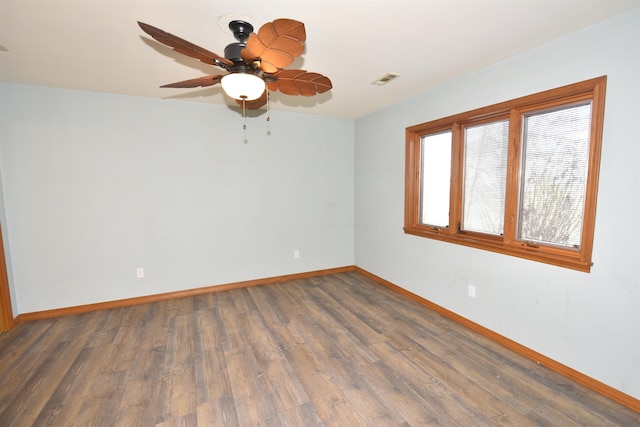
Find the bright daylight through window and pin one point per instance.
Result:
(519, 177)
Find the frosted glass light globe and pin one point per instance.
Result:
(243, 86)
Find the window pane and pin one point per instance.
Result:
(555, 160)
(485, 177)
(436, 176)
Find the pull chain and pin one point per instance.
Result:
(268, 105)
(268, 113)
(244, 114)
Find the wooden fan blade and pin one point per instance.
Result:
(199, 82)
(184, 47)
(255, 104)
(300, 82)
(277, 44)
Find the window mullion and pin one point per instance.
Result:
(513, 177)
(457, 159)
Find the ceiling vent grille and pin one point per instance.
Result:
(385, 79)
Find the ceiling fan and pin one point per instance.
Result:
(255, 64)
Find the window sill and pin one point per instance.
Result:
(548, 255)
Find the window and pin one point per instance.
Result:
(519, 177)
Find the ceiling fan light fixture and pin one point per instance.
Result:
(243, 86)
(255, 64)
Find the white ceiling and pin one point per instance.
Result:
(96, 45)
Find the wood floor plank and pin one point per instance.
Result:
(44, 380)
(64, 405)
(103, 402)
(214, 396)
(24, 358)
(342, 348)
(177, 397)
(336, 350)
(327, 398)
(17, 345)
(139, 403)
(20, 410)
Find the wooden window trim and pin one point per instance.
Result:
(577, 259)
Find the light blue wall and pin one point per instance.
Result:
(590, 322)
(97, 185)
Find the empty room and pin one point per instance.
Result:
(319, 213)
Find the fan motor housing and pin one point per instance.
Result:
(232, 52)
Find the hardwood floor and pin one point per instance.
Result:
(338, 350)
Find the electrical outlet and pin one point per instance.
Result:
(139, 272)
(471, 291)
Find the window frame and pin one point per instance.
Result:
(592, 90)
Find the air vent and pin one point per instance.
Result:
(385, 79)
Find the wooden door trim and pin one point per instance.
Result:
(5, 295)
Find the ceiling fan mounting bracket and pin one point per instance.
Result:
(241, 30)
